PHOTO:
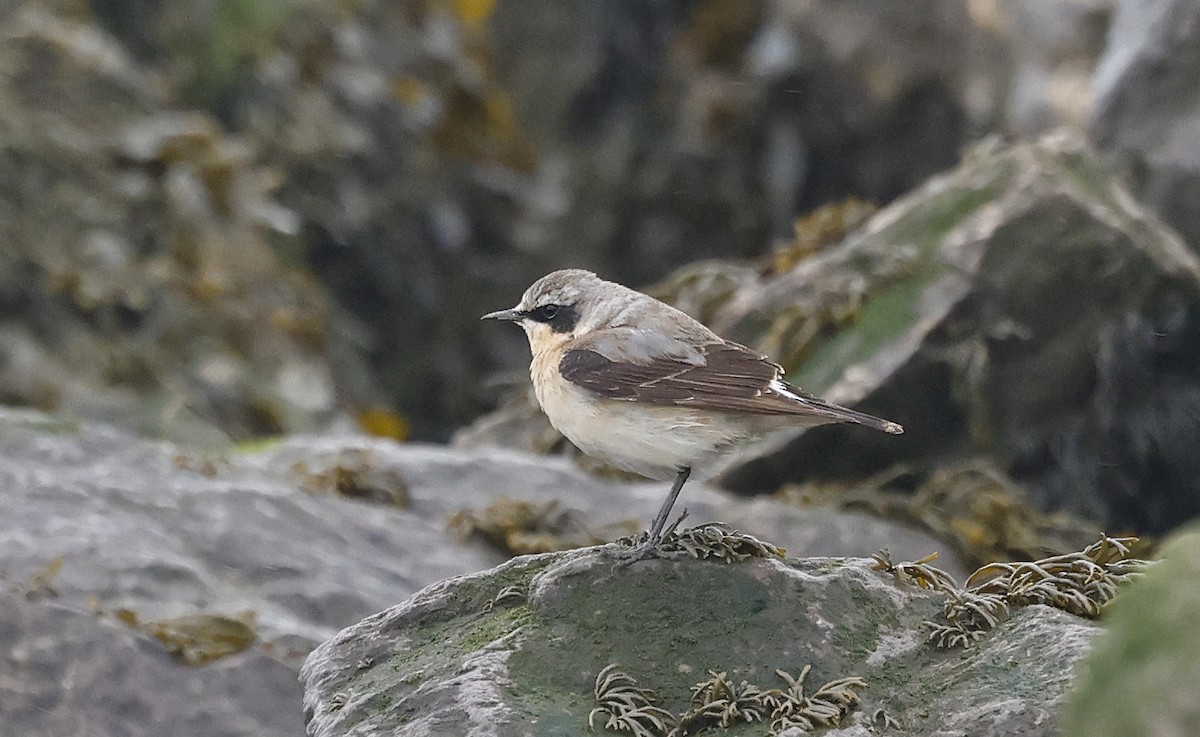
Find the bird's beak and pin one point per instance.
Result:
(513, 315)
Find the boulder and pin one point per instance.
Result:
(526, 649)
(118, 553)
(162, 532)
(68, 671)
(1023, 307)
(115, 552)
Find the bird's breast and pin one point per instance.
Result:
(654, 441)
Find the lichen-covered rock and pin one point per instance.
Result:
(1023, 307)
(459, 659)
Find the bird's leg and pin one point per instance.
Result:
(649, 548)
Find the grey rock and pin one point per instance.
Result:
(1147, 116)
(442, 481)
(98, 527)
(1023, 306)
(446, 663)
(69, 672)
(158, 532)
(166, 532)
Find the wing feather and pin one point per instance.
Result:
(730, 378)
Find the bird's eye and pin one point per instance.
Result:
(560, 318)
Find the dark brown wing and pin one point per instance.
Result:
(732, 378)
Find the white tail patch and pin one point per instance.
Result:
(779, 387)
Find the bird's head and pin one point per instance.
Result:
(561, 306)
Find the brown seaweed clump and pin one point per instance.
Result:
(629, 708)
(711, 540)
(719, 703)
(198, 639)
(519, 527)
(1081, 583)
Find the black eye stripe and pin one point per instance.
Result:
(560, 318)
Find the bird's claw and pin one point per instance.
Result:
(645, 550)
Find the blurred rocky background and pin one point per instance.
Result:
(226, 221)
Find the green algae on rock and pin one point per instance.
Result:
(446, 661)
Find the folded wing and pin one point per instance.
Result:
(730, 378)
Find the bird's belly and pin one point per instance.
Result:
(654, 441)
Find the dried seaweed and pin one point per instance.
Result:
(41, 583)
(712, 540)
(198, 639)
(519, 527)
(509, 595)
(354, 473)
(1082, 583)
(825, 708)
(974, 505)
(628, 707)
(823, 227)
(918, 573)
(720, 703)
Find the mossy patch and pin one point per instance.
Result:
(681, 621)
(888, 308)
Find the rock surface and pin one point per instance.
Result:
(69, 672)
(1022, 306)
(1147, 116)
(111, 547)
(447, 662)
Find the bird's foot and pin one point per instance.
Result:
(650, 546)
(645, 550)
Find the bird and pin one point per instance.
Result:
(644, 387)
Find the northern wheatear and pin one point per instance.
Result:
(644, 387)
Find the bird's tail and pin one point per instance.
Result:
(836, 412)
(843, 414)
